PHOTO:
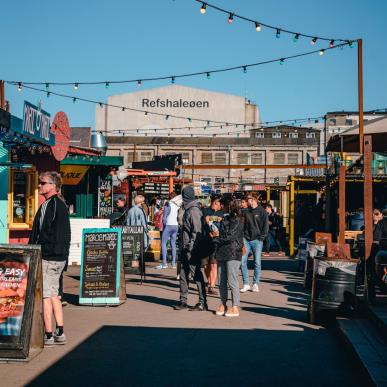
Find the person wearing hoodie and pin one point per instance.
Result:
(256, 228)
(191, 255)
(170, 223)
(229, 243)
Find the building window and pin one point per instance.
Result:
(350, 122)
(256, 158)
(310, 135)
(207, 180)
(23, 204)
(185, 156)
(206, 158)
(276, 135)
(292, 158)
(220, 158)
(293, 134)
(242, 158)
(332, 122)
(279, 158)
(129, 157)
(145, 156)
(259, 135)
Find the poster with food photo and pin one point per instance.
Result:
(13, 285)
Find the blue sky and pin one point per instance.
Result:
(99, 40)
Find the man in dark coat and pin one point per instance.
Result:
(191, 255)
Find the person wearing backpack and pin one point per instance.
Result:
(170, 228)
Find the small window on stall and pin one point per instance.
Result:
(23, 194)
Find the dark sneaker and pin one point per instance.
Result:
(180, 306)
(60, 340)
(199, 307)
(48, 342)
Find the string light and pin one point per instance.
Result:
(282, 61)
(19, 86)
(322, 52)
(278, 33)
(244, 69)
(48, 94)
(47, 86)
(331, 43)
(123, 109)
(74, 100)
(145, 113)
(101, 105)
(206, 5)
(173, 80)
(230, 18)
(208, 75)
(107, 84)
(203, 8)
(258, 27)
(313, 41)
(139, 82)
(296, 37)
(76, 86)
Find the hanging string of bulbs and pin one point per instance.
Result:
(258, 25)
(173, 78)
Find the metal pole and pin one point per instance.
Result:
(291, 217)
(360, 94)
(341, 211)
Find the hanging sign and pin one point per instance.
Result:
(72, 174)
(105, 197)
(61, 129)
(102, 275)
(36, 124)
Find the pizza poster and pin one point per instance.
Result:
(13, 285)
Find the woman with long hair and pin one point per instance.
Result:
(229, 244)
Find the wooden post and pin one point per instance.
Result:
(360, 93)
(341, 209)
(368, 205)
(2, 97)
(291, 217)
(170, 181)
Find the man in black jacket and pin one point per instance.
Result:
(51, 230)
(256, 228)
(191, 254)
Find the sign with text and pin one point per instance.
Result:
(72, 174)
(101, 266)
(132, 248)
(21, 323)
(105, 197)
(36, 124)
(156, 188)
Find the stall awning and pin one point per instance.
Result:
(109, 161)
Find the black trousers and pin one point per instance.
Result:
(195, 270)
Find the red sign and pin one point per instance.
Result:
(61, 129)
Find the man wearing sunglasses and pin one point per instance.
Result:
(51, 230)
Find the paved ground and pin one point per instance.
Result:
(145, 343)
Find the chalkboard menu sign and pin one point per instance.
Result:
(101, 268)
(132, 248)
(21, 323)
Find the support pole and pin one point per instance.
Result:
(170, 184)
(360, 94)
(368, 223)
(2, 97)
(291, 217)
(341, 209)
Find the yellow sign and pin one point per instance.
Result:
(72, 174)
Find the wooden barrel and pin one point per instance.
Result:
(153, 251)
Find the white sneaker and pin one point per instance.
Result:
(245, 288)
(255, 288)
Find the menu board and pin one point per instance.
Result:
(105, 197)
(19, 197)
(101, 266)
(132, 246)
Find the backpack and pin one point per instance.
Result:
(158, 220)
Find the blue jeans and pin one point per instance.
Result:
(169, 232)
(256, 247)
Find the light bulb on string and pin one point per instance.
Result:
(123, 109)
(173, 80)
(258, 27)
(296, 37)
(230, 18)
(331, 43)
(74, 100)
(47, 86)
(189, 119)
(244, 69)
(322, 52)
(350, 43)
(48, 94)
(107, 84)
(203, 8)
(101, 105)
(278, 33)
(313, 41)
(19, 86)
(145, 113)
(282, 61)
(208, 75)
(76, 86)
(167, 116)
(139, 82)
